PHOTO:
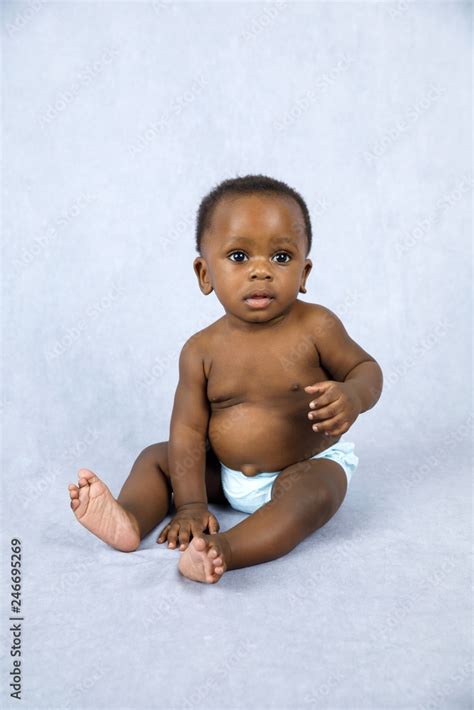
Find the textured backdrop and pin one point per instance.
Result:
(117, 118)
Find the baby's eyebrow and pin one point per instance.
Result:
(273, 240)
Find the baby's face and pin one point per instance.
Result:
(255, 244)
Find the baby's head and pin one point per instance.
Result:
(253, 235)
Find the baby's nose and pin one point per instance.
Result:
(259, 270)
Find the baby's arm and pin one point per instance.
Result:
(188, 429)
(187, 452)
(357, 378)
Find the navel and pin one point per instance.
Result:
(295, 386)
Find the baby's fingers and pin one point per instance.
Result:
(197, 529)
(213, 525)
(331, 427)
(173, 533)
(324, 413)
(183, 538)
(163, 534)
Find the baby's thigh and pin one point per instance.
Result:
(215, 494)
(312, 483)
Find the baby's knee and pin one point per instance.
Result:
(303, 496)
(155, 453)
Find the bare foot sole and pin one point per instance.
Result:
(204, 560)
(96, 508)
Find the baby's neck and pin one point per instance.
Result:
(237, 325)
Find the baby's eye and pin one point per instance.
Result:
(240, 253)
(282, 253)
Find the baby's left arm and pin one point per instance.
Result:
(357, 383)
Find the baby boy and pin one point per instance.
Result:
(264, 395)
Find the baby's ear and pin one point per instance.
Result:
(200, 268)
(308, 265)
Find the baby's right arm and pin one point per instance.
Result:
(188, 429)
(187, 452)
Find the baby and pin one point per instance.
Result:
(264, 395)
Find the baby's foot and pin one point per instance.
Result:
(205, 559)
(96, 508)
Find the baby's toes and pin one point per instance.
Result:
(215, 556)
(84, 495)
(88, 476)
(75, 503)
(217, 566)
(74, 496)
(217, 572)
(83, 499)
(73, 491)
(217, 562)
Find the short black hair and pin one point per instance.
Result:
(247, 185)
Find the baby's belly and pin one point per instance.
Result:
(253, 438)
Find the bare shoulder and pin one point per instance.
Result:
(199, 341)
(318, 319)
(199, 346)
(338, 352)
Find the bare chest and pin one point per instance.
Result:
(270, 371)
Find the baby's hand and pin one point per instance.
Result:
(192, 518)
(335, 408)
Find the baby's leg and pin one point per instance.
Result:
(304, 497)
(147, 491)
(143, 502)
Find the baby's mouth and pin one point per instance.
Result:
(259, 299)
(259, 293)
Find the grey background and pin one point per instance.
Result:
(117, 118)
